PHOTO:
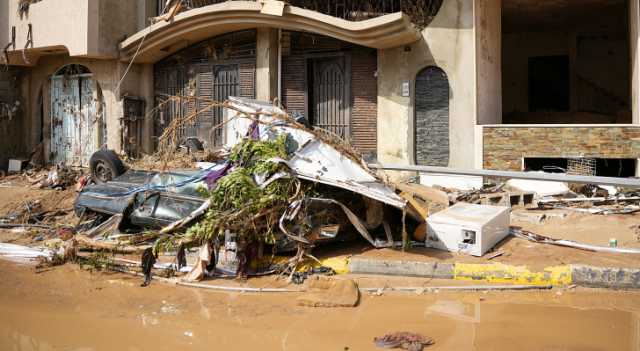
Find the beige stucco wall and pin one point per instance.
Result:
(107, 73)
(83, 28)
(488, 23)
(449, 43)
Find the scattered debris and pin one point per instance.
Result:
(404, 340)
(280, 185)
(23, 254)
(540, 187)
(59, 177)
(495, 255)
(527, 235)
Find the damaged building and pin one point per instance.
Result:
(505, 85)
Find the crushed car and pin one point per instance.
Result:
(281, 184)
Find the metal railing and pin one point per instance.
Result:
(421, 11)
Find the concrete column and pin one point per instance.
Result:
(267, 64)
(146, 9)
(488, 43)
(146, 90)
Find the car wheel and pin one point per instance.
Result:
(193, 144)
(105, 166)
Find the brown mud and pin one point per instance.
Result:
(66, 308)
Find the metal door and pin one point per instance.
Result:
(432, 118)
(133, 125)
(330, 96)
(214, 83)
(75, 122)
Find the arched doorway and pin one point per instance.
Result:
(432, 118)
(77, 123)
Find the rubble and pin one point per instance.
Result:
(281, 185)
(404, 340)
(527, 235)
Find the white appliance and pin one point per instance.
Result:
(468, 228)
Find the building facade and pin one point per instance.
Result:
(495, 84)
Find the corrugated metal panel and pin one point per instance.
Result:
(364, 111)
(293, 84)
(432, 118)
(248, 79)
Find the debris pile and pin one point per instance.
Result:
(403, 340)
(278, 188)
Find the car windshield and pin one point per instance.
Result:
(174, 177)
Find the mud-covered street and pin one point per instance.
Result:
(68, 309)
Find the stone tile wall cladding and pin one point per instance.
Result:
(505, 147)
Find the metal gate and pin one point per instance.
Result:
(133, 125)
(331, 96)
(75, 121)
(214, 84)
(432, 118)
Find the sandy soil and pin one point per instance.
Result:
(69, 309)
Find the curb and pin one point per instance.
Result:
(557, 276)
(599, 277)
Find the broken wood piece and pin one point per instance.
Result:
(425, 192)
(87, 242)
(497, 254)
(105, 228)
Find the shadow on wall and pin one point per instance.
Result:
(4, 23)
(454, 14)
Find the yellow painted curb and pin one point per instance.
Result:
(500, 273)
(340, 265)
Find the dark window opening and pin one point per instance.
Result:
(601, 167)
(549, 83)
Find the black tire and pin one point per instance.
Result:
(193, 144)
(105, 166)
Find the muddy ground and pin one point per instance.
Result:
(66, 308)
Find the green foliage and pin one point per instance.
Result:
(239, 204)
(255, 155)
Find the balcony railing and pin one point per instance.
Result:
(420, 11)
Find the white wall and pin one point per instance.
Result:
(448, 42)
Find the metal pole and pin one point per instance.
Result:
(555, 177)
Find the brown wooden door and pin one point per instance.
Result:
(331, 96)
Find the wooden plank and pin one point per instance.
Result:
(425, 192)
